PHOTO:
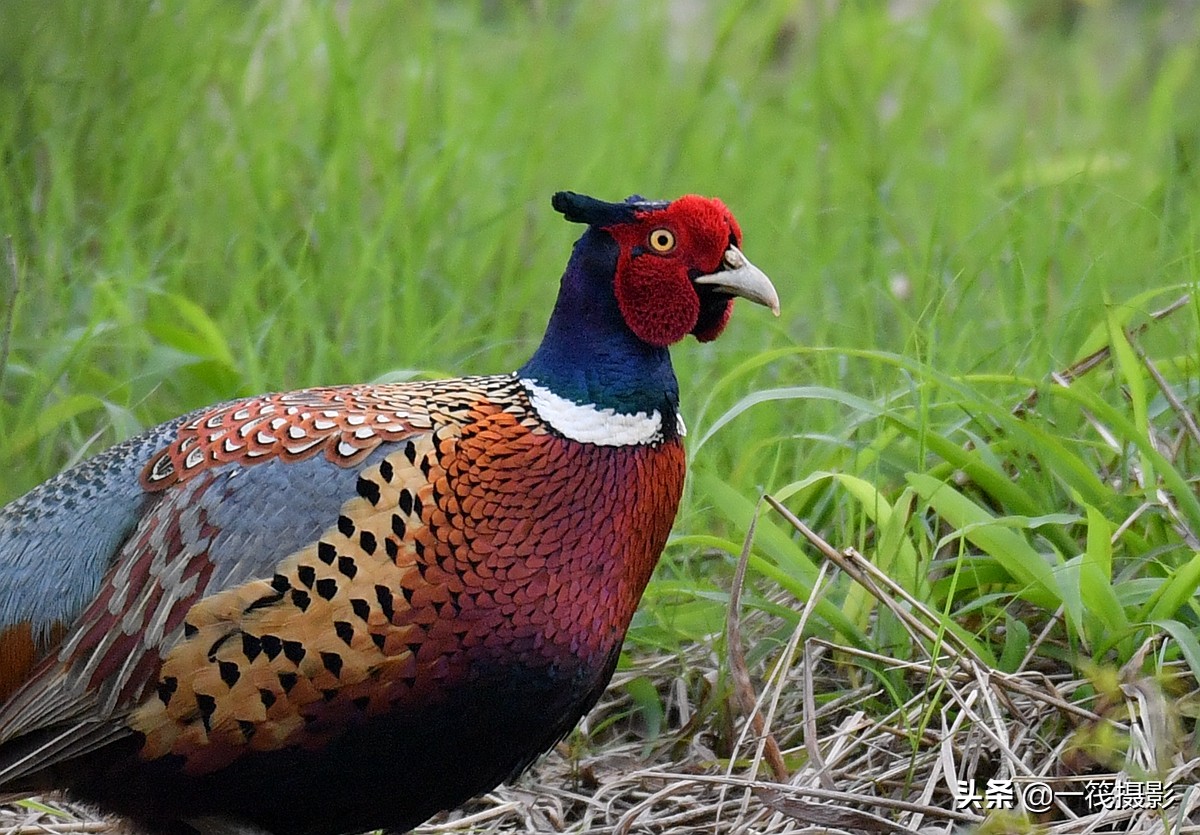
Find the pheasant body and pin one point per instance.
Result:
(338, 609)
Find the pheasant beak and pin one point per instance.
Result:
(738, 277)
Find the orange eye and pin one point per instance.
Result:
(662, 240)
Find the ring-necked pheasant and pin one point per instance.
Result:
(346, 608)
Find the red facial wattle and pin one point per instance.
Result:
(661, 257)
(654, 294)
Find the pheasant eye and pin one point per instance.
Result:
(662, 240)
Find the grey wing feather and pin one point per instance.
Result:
(31, 753)
(253, 517)
(58, 539)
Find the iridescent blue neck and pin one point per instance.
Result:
(589, 355)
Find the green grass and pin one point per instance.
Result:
(213, 199)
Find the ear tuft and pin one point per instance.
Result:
(579, 208)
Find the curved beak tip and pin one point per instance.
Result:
(741, 278)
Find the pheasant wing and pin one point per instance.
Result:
(237, 489)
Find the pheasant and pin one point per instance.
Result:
(348, 608)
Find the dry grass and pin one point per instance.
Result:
(50, 816)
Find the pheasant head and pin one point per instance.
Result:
(679, 264)
(644, 275)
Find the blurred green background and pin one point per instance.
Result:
(211, 199)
